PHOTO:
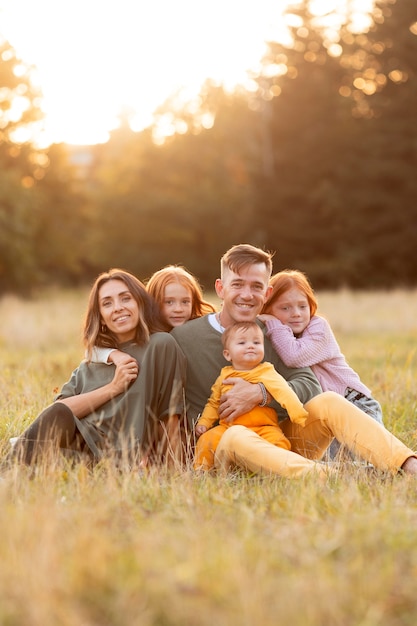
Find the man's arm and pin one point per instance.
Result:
(244, 396)
(241, 398)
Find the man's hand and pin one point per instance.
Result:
(241, 398)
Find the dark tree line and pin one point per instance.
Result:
(318, 165)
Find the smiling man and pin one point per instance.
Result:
(243, 288)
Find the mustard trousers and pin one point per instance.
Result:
(330, 415)
(207, 444)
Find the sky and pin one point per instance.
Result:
(97, 58)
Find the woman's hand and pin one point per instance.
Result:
(125, 373)
(241, 398)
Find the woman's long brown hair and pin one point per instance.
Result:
(150, 319)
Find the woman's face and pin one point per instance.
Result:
(292, 309)
(177, 304)
(118, 309)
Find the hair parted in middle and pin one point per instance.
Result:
(150, 318)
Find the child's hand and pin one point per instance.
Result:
(264, 317)
(122, 358)
(199, 430)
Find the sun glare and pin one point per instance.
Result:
(98, 58)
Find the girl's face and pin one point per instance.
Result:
(292, 309)
(177, 304)
(118, 309)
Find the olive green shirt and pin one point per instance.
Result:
(129, 419)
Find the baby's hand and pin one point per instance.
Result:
(264, 317)
(122, 358)
(199, 430)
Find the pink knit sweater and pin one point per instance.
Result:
(318, 349)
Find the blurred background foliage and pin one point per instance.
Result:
(317, 162)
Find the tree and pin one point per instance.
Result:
(20, 166)
(343, 133)
(178, 202)
(20, 111)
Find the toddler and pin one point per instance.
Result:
(243, 345)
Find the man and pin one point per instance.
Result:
(243, 288)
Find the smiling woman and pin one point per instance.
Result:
(131, 411)
(119, 310)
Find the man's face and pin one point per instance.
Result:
(243, 294)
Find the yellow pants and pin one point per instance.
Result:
(329, 415)
(207, 444)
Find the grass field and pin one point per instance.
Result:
(105, 549)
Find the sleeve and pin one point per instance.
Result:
(72, 387)
(101, 355)
(210, 414)
(316, 344)
(282, 393)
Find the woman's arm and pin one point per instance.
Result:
(85, 403)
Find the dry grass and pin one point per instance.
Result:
(105, 549)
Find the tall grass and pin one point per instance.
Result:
(100, 548)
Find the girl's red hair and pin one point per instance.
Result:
(286, 280)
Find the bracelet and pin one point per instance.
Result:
(264, 401)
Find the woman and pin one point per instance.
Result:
(179, 298)
(124, 410)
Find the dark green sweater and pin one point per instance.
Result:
(203, 349)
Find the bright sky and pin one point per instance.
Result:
(97, 57)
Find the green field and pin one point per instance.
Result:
(106, 549)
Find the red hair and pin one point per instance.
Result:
(177, 274)
(286, 280)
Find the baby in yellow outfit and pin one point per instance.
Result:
(243, 345)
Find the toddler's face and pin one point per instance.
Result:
(245, 348)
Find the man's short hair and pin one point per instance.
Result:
(240, 256)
